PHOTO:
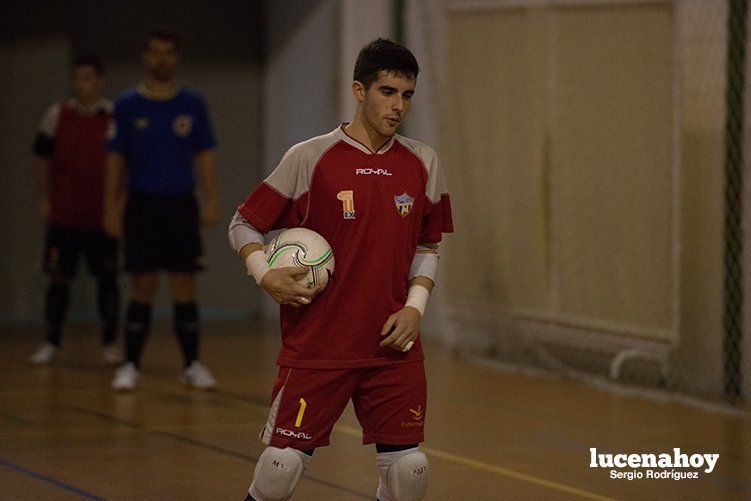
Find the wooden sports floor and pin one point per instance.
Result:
(490, 435)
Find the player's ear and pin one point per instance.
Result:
(358, 89)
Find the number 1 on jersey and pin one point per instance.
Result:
(300, 413)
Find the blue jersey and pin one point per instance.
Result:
(158, 138)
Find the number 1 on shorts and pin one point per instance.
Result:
(300, 413)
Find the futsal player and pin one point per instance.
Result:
(380, 200)
(160, 130)
(70, 156)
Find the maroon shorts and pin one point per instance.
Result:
(389, 403)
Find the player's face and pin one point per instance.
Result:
(161, 58)
(87, 83)
(386, 102)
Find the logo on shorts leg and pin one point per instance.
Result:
(417, 416)
(299, 435)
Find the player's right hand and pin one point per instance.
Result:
(283, 286)
(113, 223)
(210, 213)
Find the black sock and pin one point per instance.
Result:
(108, 298)
(394, 447)
(136, 330)
(58, 295)
(186, 330)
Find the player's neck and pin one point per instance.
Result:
(358, 130)
(157, 87)
(88, 103)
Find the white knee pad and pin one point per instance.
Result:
(404, 475)
(277, 473)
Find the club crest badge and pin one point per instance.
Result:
(404, 204)
(141, 123)
(182, 125)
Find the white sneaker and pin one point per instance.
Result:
(44, 354)
(126, 377)
(198, 376)
(111, 354)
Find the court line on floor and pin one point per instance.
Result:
(498, 470)
(50, 480)
(16, 420)
(446, 456)
(465, 461)
(205, 445)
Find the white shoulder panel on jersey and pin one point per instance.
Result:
(436, 185)
(107, 106)
(277, 473)
(293, 175)
(48, 125)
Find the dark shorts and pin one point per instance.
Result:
(65, 245)
(389, 403)
(162, 233)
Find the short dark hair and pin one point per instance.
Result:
(383, 54)
(164, 35)
(89, 60)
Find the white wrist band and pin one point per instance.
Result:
(418, 298)
(256, 265)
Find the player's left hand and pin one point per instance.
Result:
(401, 329)
(210, 213)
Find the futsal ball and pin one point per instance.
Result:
(303, 247)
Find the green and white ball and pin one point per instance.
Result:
(303, 247)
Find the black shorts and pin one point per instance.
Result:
(64, 246)
(162, 233)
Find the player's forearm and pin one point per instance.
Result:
(206, 161)
(241, 234)
(246, 240)
(113, 180)
(249, 249)
(422, 281)
(42, 168)
(114, 193)
(419, 293)
(422, 272)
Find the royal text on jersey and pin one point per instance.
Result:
(372, 172)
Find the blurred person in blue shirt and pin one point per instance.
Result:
(159, 133)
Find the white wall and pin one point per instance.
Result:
(33, 70)
(362, 21)
(300, 75)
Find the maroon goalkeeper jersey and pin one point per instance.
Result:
(73, 140)
(373, 208)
